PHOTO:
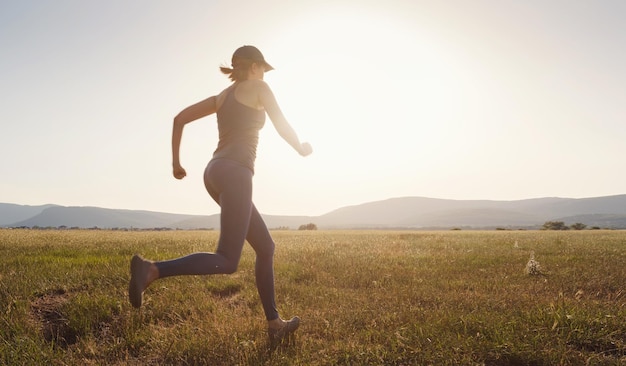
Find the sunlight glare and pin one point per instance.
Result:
(357, 75)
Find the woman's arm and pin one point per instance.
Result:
(284, 129)
(189, 114)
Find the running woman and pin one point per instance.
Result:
(240, 110)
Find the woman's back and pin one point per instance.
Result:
(238, 125)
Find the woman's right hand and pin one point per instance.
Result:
(179, 172)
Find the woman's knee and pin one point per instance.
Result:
(265, 251)
(229, 267)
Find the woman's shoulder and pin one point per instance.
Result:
(222, 96)
(251, 89)
(248, 92)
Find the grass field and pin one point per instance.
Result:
(365, 298)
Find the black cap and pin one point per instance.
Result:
(251, 53)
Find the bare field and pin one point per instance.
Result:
(365, 298)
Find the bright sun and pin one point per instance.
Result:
(345, 72)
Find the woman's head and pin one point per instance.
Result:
(243, 60)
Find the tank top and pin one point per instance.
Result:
(238, 126)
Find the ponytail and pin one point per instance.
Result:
(239, 70)
(228, 71)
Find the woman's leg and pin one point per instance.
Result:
(230, 185)
(261, 240)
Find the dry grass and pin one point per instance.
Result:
(365, 297)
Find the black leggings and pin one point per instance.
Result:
(230, 185)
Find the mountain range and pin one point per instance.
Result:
(394, 213)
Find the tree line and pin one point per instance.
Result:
(560, 225)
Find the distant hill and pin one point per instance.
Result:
(420, 212)
(89, 217)
(11, 213)
(403, 212)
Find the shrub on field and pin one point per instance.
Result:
(554, 225)
(533, 267)
(310, 226)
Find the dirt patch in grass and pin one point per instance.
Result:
(615, 348)
(46, 312)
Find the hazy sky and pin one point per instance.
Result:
(500, 100)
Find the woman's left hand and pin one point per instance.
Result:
(179, 172)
